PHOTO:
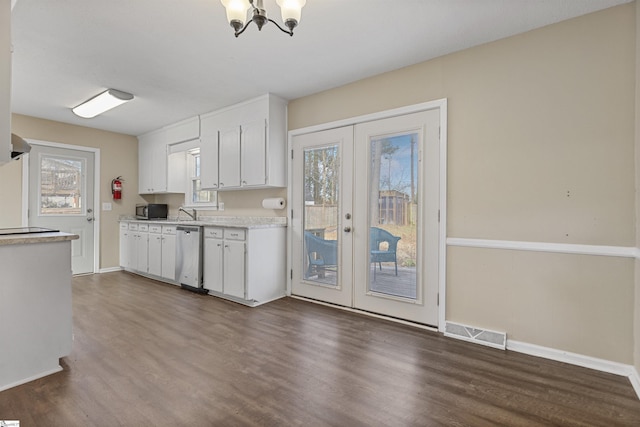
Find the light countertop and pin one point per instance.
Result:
(218, 221)
(19, 239)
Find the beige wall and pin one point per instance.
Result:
(636, 322)
(540, 148)
(118, 155)
(236, 203)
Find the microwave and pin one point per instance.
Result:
(152, 211)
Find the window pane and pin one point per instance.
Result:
(60, 186)
(200, 195)
(393, 228)
(321, 192)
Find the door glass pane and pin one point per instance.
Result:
(61, 186)
(321, 192)
(393, 214)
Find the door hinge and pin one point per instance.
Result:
(291, 275)
(438, 215)
(438, 300)
(291, 154)
(291, 213)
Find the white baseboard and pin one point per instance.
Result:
(635, 381)
(602, 365)
(110, 269)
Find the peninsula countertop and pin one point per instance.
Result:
(20, 239)
(217, 221)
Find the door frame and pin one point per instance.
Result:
(96, 190)
(441, 105)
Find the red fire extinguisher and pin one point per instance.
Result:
(116, 188)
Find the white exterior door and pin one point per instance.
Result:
(61, 197)
(365, 225)
(322, 211)
(396, 249)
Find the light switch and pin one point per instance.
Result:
(106, 206)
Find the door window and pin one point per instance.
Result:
(61, 186)
(393, 215)
(321, 195)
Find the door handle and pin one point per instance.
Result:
(347, 229)
(90, 219)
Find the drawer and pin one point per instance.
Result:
(213, 233)
(133, 226)
(168, 229)
(124, 226)
(235, 233)
(143, 227)
(155, 228)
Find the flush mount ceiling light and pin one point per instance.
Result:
(105, 101)
(237, 14)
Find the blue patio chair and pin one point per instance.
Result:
(321, 254)
(378, 236)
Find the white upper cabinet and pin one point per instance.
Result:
(159, 170)
(229, 158)
(5, 82)
(244, 146)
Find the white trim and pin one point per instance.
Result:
(415, 108)
(96, 190)
(565, 248)
(25, 189)
(441, 105)
(571, 358)
(635, 381)
(31, 378)
(442, 235)
(110, 269)
(366, 313)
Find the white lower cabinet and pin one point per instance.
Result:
(155, 250)
(149, 249)
(168, 268)
(245, 265)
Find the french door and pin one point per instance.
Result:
(366, 216)
(61, 197)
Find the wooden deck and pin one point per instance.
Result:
(384, 281)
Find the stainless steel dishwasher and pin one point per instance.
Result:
(189, 257)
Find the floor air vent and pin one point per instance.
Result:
(479, 336)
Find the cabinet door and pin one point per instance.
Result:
(234, 269)
(169, 256)
(209, 162)
(253, 157)
(152, 163)
(142, 249)
(124, 248)
(213, 264)
(155, 254)
(229, 161)
(132, 250)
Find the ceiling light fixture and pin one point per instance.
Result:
(237, 14)
(105, 101)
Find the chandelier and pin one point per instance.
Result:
(237, 14)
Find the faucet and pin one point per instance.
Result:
(191, 215)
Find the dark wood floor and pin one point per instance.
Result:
(149, 354)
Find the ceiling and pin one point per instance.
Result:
(180, 58)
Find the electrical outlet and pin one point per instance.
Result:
(220, 206)
(106, 206)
